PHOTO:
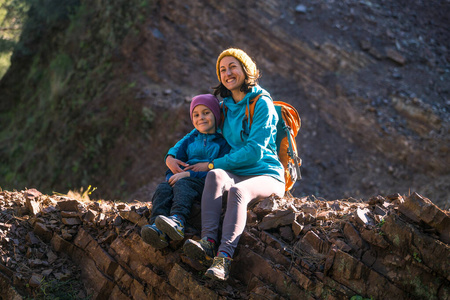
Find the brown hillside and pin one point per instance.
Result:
(97, 98)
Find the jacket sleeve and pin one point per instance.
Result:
(201, 174)
(168, 175)
(263, 129)
(181, 152)
(173, 151)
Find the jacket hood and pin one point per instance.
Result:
(232, 106)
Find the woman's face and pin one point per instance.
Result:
(231, 73)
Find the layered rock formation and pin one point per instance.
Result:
(391, 247)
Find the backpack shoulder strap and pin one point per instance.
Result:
(250, 110)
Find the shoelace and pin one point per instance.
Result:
(219, 261)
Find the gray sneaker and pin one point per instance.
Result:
(170, 226)
(220, 268)
(201, 250)
(154, 237)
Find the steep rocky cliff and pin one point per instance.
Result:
(292, 248)
(97, 91)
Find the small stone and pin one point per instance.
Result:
(67, 236)
(118, 221)
(252, 218)
(71, 221)
(90, 215)
(286, 233)
(365, 45)
(276, 219)
(68, 205)
(42, 231)
(52, 257)
(395, 56)
(35, 280)
(363, 217)
(69, 214)
(33, 206)
(301, 8)
(297, 228)
(32, 193)
(32, 239)
(131, 216)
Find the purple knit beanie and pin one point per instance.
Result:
(209, 101)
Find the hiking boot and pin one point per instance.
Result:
(201, 250)
(220, 268)
(154, 237)
(171, 226)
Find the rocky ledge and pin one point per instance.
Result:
(393, 247)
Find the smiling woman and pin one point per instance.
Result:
(250, 171)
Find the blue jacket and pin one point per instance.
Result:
(253, 152)
(199, 147)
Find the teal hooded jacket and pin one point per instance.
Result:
(253, 151)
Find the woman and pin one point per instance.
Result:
(250, 171)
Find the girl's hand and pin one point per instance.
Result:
(199, 167)
(174, 164)
(178, 176)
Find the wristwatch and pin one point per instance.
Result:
(211, 165)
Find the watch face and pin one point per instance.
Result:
(211, 166)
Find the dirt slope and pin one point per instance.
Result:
(97, 98)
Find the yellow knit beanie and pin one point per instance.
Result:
(242, 57)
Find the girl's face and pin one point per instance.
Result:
(203, 119)
(231, 73)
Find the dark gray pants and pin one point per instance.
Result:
(176, 200)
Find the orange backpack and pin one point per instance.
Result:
(288, 125)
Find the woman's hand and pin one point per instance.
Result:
(174, 164)
(178, 176)
(199, 167)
